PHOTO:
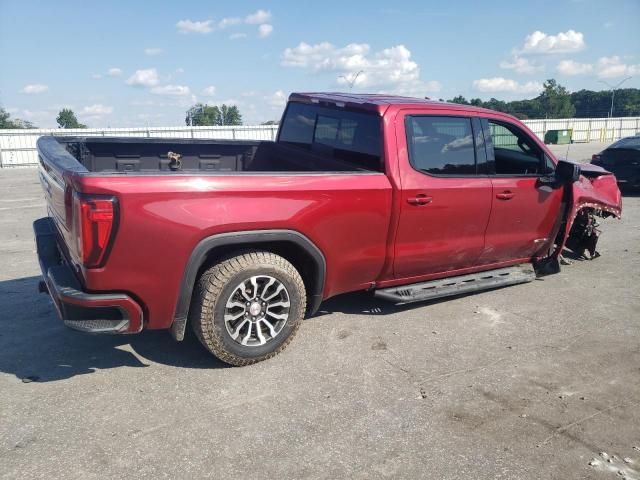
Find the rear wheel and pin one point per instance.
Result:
(248, 307)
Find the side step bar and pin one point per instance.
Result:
(446, 287)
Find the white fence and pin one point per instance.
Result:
(18, 147)
(589, 129)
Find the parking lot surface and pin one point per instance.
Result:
(532, 381)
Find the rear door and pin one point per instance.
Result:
(523, 210)
(444, 200)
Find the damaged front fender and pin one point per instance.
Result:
(595, 194)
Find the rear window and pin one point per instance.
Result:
(441, 145)
(353, 137)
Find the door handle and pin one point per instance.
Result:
(506, 195)
(420, 199)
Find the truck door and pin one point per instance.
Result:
(524, 209)
(445, 200)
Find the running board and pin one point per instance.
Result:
(446, 287)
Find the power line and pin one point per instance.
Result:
(613, 91)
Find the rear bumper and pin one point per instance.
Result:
(87, 312)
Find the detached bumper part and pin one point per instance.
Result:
(87, 312)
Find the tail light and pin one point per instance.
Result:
(595, 157)
(95, 222)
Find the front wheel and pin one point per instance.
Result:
(248, 307)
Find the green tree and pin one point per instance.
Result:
(206, 115)
(203, 115)
(459, 99)
(271, 122)
(230, 115)
(67, 119)
(7, 122)
(555, 101)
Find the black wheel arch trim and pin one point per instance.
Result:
(243, 238)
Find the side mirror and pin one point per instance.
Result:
(567, 172)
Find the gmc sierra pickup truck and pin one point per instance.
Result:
(412, 199)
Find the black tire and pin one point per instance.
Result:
(218, 284)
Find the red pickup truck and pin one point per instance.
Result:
(413, 199)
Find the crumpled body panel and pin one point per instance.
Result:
(595, 194)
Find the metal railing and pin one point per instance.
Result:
(18, 147)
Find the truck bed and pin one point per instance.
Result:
(152, 155)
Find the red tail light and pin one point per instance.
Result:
(595, 157)
(95, 219)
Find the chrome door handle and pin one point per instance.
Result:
(506, 195)
(420, 199)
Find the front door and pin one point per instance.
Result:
(524, 210)
(445, 202)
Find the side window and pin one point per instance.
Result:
(514, 152)
(441, 145)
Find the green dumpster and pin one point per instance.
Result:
(558, 137)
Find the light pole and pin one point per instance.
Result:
(613, 91)
(351, 82)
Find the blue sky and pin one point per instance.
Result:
(134, 63)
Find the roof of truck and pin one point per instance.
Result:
(377, 102)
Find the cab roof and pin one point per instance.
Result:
(378, 102)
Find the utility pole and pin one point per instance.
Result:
(351, 82)
(613, 91)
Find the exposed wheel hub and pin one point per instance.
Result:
(255, 309)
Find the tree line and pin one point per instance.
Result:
(555, 101)
(65, 119)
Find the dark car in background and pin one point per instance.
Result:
(622, 158)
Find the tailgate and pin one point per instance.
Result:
(56, 169)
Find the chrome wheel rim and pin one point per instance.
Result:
(257, 310)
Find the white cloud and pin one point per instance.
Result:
(521, 65)
(564, 42)
(188, 26)
(605, 67)
(97, 110)
(570, 67)
(391, 69)
(144, 78)
(608, 24)
(96, 76)
(278, 99)
(265, 30)
(34, 88)
(210, 91)
(114, 72)
(612, 67)
(229, 21)
(172, 90)
(500, 84)
(153, 51)
(179, 70)
(260, 16)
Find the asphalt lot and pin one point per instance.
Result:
(529, 382)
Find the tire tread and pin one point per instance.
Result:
(209, 288)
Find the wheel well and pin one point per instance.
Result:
(293, 246)
(297, 255)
